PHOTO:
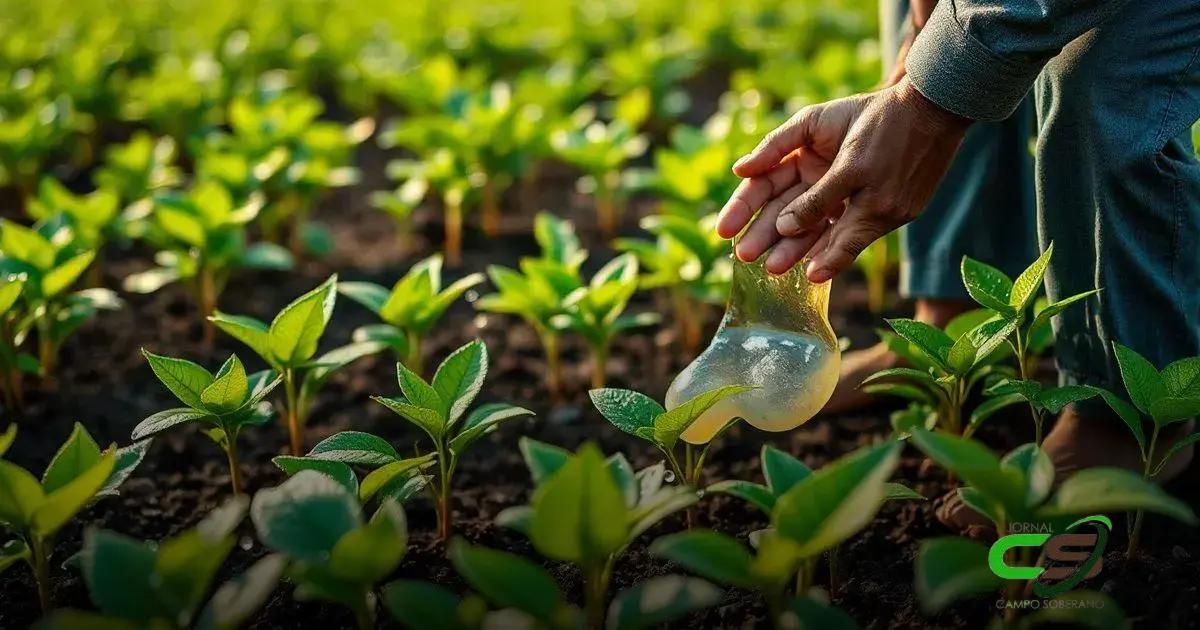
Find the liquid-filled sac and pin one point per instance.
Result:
(775, 336)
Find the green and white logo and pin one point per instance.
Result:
(1066, 555)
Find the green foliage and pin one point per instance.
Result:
(601, 150)
(136, 170)
(141, 584)
(34, 511)
(437, 407)
(337, 456)
(93, 218)
(877, 262)
(225, 402)
(410, 309)
(641, 416)
(289, 345)
(318, 525)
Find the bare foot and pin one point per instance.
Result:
(1075, 443)
(860, 364)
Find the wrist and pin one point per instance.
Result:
(931, 116)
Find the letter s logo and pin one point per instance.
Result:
(1085, 565)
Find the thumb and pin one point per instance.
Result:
(777, 144)
(823, 200)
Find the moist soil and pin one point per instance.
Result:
(105, 384)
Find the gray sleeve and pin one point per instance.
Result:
(978, 58)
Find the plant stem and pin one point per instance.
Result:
(454, 224)
(364, 613)
(1139, 516)
(596, 587)
(693, 480)
(207, 297)
(804, 577)
(1023, 368)
(599, 365)
(444, 509)
(235, 475)
(41, 570)
(47, 351)
(553, 367)
(490, 218)
(413, 358)
(295, 431)
(606, 212)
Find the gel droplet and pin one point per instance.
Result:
(669, 476)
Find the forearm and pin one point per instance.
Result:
(978, 58)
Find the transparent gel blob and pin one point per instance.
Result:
(775, 336)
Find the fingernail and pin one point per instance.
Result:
(817, 274)
(787, 224)
(740, 161)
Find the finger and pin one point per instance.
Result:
(761, 234)
(751, 194)
(822, 201)
(777, 144)
(848, 237)
(792, 250)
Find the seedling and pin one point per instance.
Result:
(413, 306)
(1020, 488)
(337, 456)
(587, 511)
(79, 474)
(13, 327)
(138, 169)
(877, 262)
(225, 403)
(601, 150)
(93, 218)
(690, 263)
(813, 516)
(201, 241)
(538, 292)
(946, 365)
(436, 408)
(445, 173)
(641, 416)
(1043, 401)
(289, 344)
(50, 264)
(317, 524)
(142, 584)
(596, 311)
(1170, 396)
(537, 602)
(1012, 300)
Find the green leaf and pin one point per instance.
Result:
(63, 276)
(951, 569)
(629, 411)
(482, 421)
(184, 378)
(1101, 490)
(295, 332)
(579, 511)
(934, 344)
(459, 378)
(428, 420)
(238, 599)
(1026, 286)
(7, 438)
(507, 580)
(383, 476)
(670, 425)
(26, 245)
(228, 389)
(386, 334)
(542, 459)
(267, 256)
(338, 471)
(755, 494)
(1044, 316)
(12, 552)
(1169, 410)
(355, 448)
(918, 376)
(1128, 414)
(119, 572)
(368, 554)
(1142, 380)
(806, 612)
(987, 285)
(709, 554)
(1036, 468)
(247, 330)
(128, 459)
(1175, 448)
(370, 295)
(901, 492)
(164, 420)
(63, 504)
(976, 465)
(420, 393)
(781, 470)
(1053, 399)
(186, 564)
(660, 600)
(837, 501)
(20, 496)
(305, 516)
(989, 407)
(423, 606)
(1182, 378)
(76, 456)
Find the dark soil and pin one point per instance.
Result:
(105, 384)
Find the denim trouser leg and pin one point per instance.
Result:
(984, 207)
(1118, 187)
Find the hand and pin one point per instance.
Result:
(837, 176)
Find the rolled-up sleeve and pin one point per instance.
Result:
(978, 58)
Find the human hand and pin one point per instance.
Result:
(837, 176)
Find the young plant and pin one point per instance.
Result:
(946, 365)
(138, 584)
(815, 515)
(413, 306)
(201, 240)
(78, 474)
(338, 455)
(93, 219)
(690, 263)
(877, 262)
(601, 150)
(436, 408)
(13, 328)
(539, 602)
(446, 173)
(537, 293)
(642, 417)
(138, 169)
(317, 524)
(1012, 301)
(49, 265)
(587, 511)
(596, 311)
(1167, 397)
(1020, 489)
(225, 403)
(288, 346)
